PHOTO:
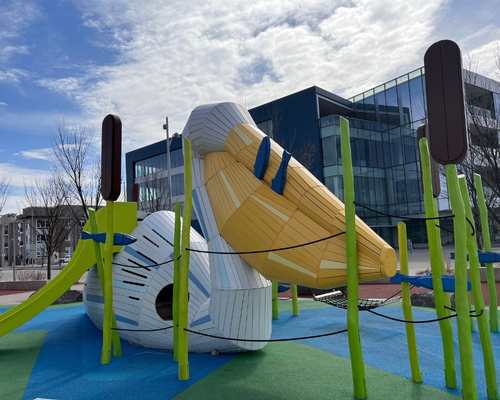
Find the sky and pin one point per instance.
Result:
(69, 62)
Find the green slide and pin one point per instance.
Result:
(125, 216)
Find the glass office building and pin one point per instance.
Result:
(383, 123)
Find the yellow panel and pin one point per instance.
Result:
(303, 189)
(251, 216)
(214, 162)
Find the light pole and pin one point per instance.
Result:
(169, 177)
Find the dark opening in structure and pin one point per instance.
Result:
(164, 302)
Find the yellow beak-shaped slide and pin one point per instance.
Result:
(251, 214)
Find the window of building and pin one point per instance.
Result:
(178, 185)
(266, 127)
(331, 151)
(417, 98)
(158, 163)
(42, 223)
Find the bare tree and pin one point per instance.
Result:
(484, 150)
(73, 152)
(4, 191)
(48, 200)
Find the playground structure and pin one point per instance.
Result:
(264, 218)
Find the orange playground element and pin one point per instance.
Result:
(250, 216)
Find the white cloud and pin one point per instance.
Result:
(61, 85)
(19, 177)
(11, 75)
(46, 154)
(176, 55)
(15, 17)
(486, 59)
(3, 104)
(14, 204)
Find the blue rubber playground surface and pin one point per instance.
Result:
(56, 356)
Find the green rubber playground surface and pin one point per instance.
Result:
(295, 371)
(18, 354)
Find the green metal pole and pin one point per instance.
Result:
(437, 264)
(477, 295)
(275, 300)
(357, 364)
(461, 296)
(295, 301)
(107, 323)
(182, 355)
(435, 212)
(177, 263)
(485, 231)
(407, 311)
(117, 347)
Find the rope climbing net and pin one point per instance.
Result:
(339, 299)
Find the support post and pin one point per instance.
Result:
(295, 301)
(117, 347)
(436, 256)
(485, 233)
(407, 311)
(183, 371)
(107, 323)
(477, 296)
(275, 300)
(357, 364)
(177, 263)
(461, 296)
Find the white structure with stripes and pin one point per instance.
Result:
(226, 297)
(142, 290)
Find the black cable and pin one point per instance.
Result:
(473, 229)
(143, 330)
(265, 251)
(400, 216)
(266, 340)
(391, 297)
(148, 266)
(408, 321)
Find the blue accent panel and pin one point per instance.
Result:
(94, 298)
(201, 320)
(488, 257)
(198, 284)
(262, 159)
(278, 183)
(426, 281)
(123, 239)
(120, 239)
(126, 320)
(98, 237)
(199, 216)
(283, 287)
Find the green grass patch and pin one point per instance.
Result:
(296, 371)
(18, 353)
